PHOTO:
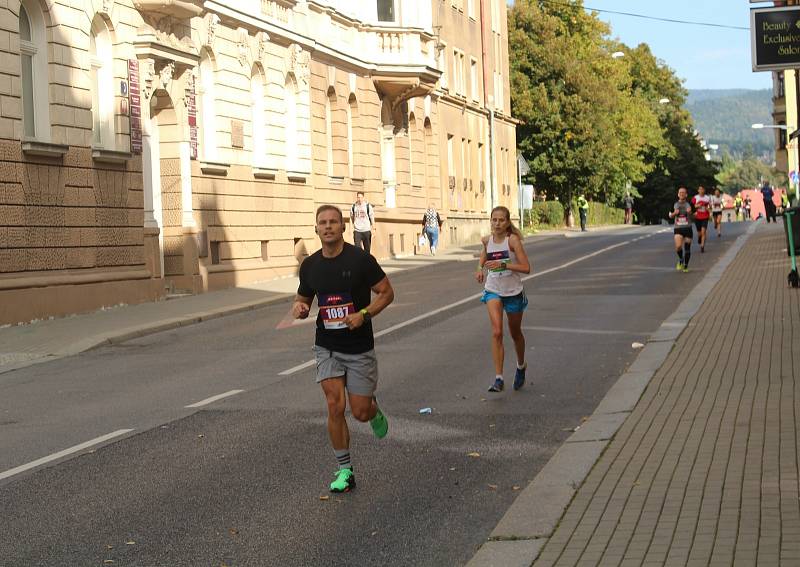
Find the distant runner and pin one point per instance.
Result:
(343, 278)
(702, 212)
(504, 258)
(716, 211)
(682, 213)
(737, 204)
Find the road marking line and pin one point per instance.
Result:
(64, 453)
(470, 298)
(213, 399)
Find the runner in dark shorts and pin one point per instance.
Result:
(702, 213)
(682, 214)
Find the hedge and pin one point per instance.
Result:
(551, 214)
(545, 213)
(600, 213)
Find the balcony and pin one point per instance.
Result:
(179, 9)
(404, 59)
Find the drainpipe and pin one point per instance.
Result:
(487, 103)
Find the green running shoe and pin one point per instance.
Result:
(380, 426)
(345, 481)
(686, 269)
(679, 266)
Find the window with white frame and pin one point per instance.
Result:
(101, 61)
(352, 114)
(33, 62)
(471, 8)
(442, 63)
(258, 107)
(208, 126)
(473, 78)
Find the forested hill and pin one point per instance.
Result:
(725, 117)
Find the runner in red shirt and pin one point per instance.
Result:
(702, 212)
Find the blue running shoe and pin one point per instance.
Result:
(519, 377)
(497, 386)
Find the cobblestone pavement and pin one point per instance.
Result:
(705, 469)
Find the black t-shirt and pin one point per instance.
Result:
(342, 285)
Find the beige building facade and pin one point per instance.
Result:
(156, 146)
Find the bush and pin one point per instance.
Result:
(550, 213)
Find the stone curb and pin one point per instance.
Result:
(120, 335)
(535, 514)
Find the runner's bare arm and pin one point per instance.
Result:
(384, 295)
(301, 307)
(523, 265)
(479, 275)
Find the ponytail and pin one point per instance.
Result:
(512, 229)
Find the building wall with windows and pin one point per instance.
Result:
(71, 198)
(152, 146)
(475, 109)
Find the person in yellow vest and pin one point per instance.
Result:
(737, 203)
(784, 200)
(583, 210)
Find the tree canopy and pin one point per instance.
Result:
(594, 123)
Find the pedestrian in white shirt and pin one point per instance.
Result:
(362, 217)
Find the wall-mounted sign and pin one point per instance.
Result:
(775, 38)
(135, 100)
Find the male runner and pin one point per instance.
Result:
(682, 232)
(702, 212)
(341, 276)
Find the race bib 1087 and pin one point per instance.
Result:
(334, 308)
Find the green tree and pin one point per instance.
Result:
(584, 126)
(679, 160)
(748, 173)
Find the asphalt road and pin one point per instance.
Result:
(238, 482)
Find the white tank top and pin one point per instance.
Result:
(501, 281)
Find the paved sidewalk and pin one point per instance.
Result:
(42, 341)
(704, 471)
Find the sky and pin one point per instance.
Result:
(705, 57)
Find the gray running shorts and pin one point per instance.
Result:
(360, 370)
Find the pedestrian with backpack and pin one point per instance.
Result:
(362, 217)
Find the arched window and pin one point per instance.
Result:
(259, 117)
(352, 115)
(208, 115)
(291, 126)
(33, 60)
(101, 61)
(416, 151)
(330, 105)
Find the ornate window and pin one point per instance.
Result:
(291, 125)
(101, 62)
(33, 62)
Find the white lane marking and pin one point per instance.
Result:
(435, 312)
(587, 331)
(64, 453)
(213, 399)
